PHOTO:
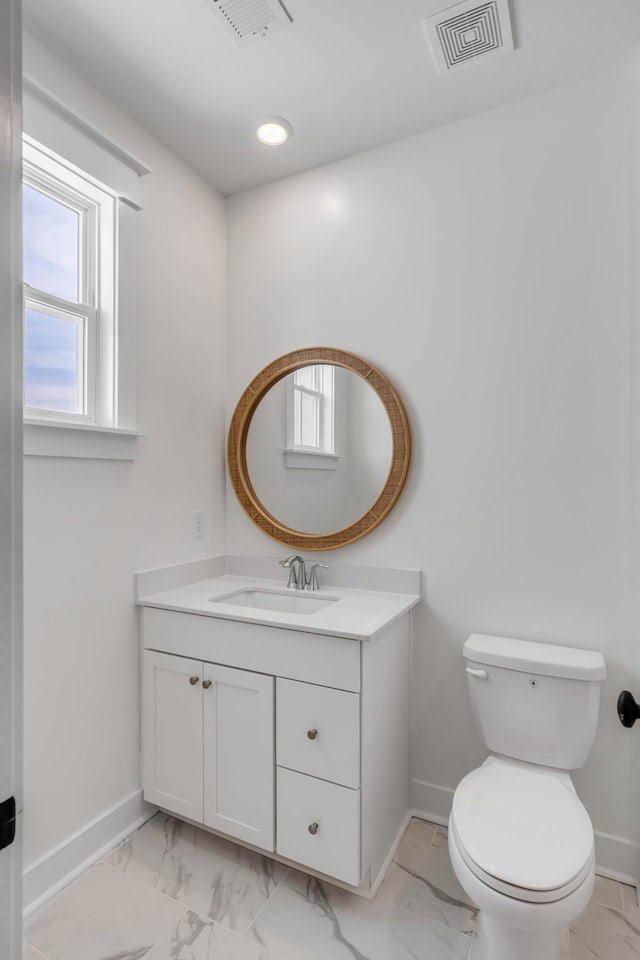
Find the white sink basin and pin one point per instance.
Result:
(274, 600)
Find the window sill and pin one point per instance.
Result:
(50, 438)
(310, 460)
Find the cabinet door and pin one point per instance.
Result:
(239, 754)
(172, 733)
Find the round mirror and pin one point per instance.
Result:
(318, 448)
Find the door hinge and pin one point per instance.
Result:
(7, 822)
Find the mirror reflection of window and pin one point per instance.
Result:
(307, 488)
(311, 412)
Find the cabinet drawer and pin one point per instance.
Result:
(318, 731)
(332, 846)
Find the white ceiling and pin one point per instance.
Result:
(348, 74)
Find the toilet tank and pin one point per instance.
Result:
(535, 702)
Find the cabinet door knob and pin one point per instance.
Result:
(312, 734)
(206, 684)
(193, 680)
(313, 828)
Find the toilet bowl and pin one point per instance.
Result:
(520, 840)
(521, 845)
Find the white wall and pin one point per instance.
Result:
(91, 523)
(486, 269)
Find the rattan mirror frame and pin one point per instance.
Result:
(239, 431)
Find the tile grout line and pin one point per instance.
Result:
(401, 909)
(268, 900)
(139, 883)
(445, 926)
(149, 886)
(234, 933)
(38, 952)
(470, 950)
(428, 843)
(136, 882)
(621, 894)
(439, 833)
(435, 923)
(167, 931)
(608, 906)
(109, 853)
(431, 845)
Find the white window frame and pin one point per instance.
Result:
(95, 311)
(322, 456)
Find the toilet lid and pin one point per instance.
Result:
(523, 827)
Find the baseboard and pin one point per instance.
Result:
(431, 802)
(377, 881)
(64, 863)
(616, 858)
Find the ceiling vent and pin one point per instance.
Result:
(468, 33)
(249, 20)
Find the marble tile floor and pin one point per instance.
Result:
(173, 892)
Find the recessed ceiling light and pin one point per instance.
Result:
(274, 131)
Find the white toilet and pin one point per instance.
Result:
(520, 841)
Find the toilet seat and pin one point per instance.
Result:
(522, 830)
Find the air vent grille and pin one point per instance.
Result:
(249, 20)
(468, 32)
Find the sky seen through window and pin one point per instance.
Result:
(51, 263)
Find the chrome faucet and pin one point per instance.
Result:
(297, 578)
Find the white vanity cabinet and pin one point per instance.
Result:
(292, 742)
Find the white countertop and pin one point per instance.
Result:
(357, 614)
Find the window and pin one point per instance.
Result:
(311, 418)
(69, 231)
(313, 409)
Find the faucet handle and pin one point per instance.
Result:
(313, 576)
(289, 564)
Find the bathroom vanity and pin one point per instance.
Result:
(284, 729)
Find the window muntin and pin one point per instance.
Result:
(69, 291)
(309, 377)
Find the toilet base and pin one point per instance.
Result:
(510, 929)
(496, 942)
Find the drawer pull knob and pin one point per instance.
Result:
(206, 684)
(193, 680)
(313, 829)
(312, 734)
